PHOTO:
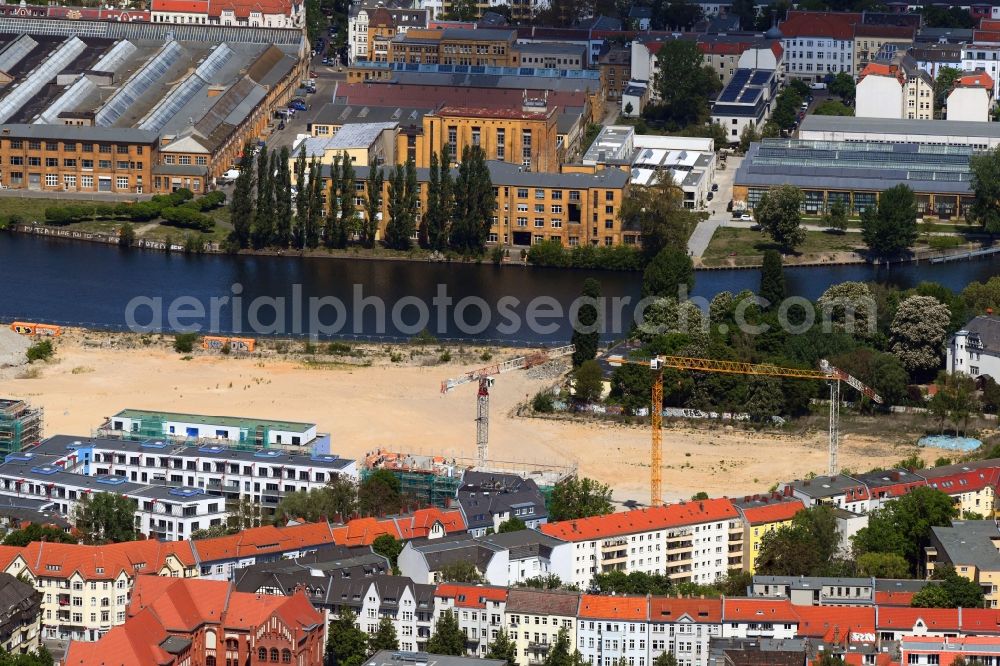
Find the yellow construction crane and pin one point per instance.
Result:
(656, 365)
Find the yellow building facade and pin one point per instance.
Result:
(761, 516)
(455, 46)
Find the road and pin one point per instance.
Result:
(327, 79)
(718, 215)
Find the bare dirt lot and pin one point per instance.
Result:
(397, 404)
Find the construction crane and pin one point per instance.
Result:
(484, 376)
(657, 364)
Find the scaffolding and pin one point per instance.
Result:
(20, 425)
(434, 479)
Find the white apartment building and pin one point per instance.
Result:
(683, 627)
(985, 57)
(689, 541)
(975, 350)
(479, 610)
(818, 43)
(611, 629)
(898, 90)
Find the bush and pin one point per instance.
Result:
(193, 244)
(187, 217)
(338, 348)
(615, 258)
(40, 351)
(210, 201)
(184, 342)
(543, 403)
(126, 235)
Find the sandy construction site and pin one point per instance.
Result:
(398, 405)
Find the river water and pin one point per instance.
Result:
(91, 284)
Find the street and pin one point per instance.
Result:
(718, 215)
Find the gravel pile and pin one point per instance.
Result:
(12, 348)
(552, 370)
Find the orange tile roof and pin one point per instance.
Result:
(981, 620)
(182, 6)
(759, 610)
(977, 80)
(137, 644)
(835, 25)
(905, 618)
(364, 531)
(989, 24)
(834, 624)
(475, 596)
(642, 520)
(723, 48)
(62, 560)
(240, 8)
(775, 512)
(893, 598)
(618, 607)
(263, 540)
(671, 609)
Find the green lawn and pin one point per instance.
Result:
(745, 246)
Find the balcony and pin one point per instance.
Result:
(542, 646)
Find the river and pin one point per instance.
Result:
(78, 283)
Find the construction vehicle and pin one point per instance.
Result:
(485, 377)
(826, 372)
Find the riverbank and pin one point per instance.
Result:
(370, 396)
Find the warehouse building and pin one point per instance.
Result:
(976, 135)
(855, 173)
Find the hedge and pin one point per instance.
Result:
(602, 257)
(164, 206)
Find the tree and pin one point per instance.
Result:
(283, 201)
(956, 400)
(388, 547)
(561, 653)
(36, 532)
(126, 235)
(832, 107)
(213, 532)
(399, 228)
(669, 272)
(512, 524)
(747, 136)
(902, 526)
(943, 84)
(851, 306)
(836, 216)
(779, 215)
(666, 658)
(40, 658)
(843, 86)
(474, 202)
(244, 515)
(301, 198)
(502, 647)
(336, 500)
(890, 229)
(315, 205)
(827, 658)
(631, 387)
(954, 591)
(241, 204)
(448, 638)
(806, 547)
(658, 212)
(373, 206)
(263, 220)
(985, 208)
(683, 83)
(772, 279)
(460, 571)
(332, 227)
(105, 518)
(434, 221)
(764, 398)
(883, 565)
(879, 370)
(918, 332)
(586, 332)
(348, 211)
(384, 637)
(380, 493)
(346, 644)
(786, 108)
(575, 498)
(588, 384)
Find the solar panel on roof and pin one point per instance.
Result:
(760, 78)
(750, 95)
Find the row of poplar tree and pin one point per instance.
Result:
(458, 213)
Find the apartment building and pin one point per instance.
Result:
(177, 622)
(613, 630)
(489, 499)
(257, 14)
(684, 627)
(759, 618)
(209, 472)
(761, 515)
(947, 649)
(933, 57)
(70, 158)
(615, 65)
(365, 144)
(745, 103)
(818, 43)
(887, 485)
(840, 491)
(690, 541)
(571, 208)
(971, 98)
(982, 57)
(896, 89)
(815, 590)
(534, 619)
(972, 485)
(479, 610)
(455, 46)
(430, 524)
(973, 548)
(20, 616)
(369, 21)
(873, 41)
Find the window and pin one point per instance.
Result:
(51, 180)
(522, 193)
(69, 163)
(286, 656)
(274, 655)
(51, 161)
(88, 147)
(87, 182)
(34, 145)
(87, 164)
(104, 148)
(475, 136)
(501, 144)
(69, 181)
(121, 182)
(121, 150)
(262, 654)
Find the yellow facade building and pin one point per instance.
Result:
(973, 548)
(455, 46)
(762, 515)
(533, 619)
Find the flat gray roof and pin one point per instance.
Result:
(503, 173)
(78, 133)
(970, 542)
(551, 47)
(391, 658)
(891, 126)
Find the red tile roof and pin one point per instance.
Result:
(981, 621)
(138, 644)
(989, 24)
(835, 25)
(904, 619)
(985, 36)
(834, 624)
(723, 48)
(364, 531)
(240, 8)
(893, 598)
(670, 609)
(602, 607)
(774, 512)
(263, 540)
(759, 610)
(885, 31)
(642, 520)
(977, 80)
(62, 560)
(472, 596)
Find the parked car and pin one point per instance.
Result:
(297, 105)
(715, 187)
(746, 218)
(326, 60)
(229, 176)
(709, 196)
